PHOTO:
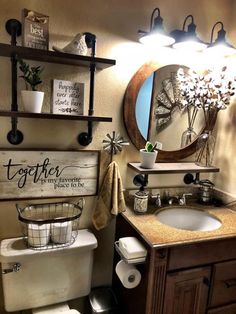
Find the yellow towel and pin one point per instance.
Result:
(110, 199)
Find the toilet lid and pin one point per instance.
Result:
(65, 312)
(55, 309)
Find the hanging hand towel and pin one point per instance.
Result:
(110, 199)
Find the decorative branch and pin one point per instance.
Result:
(212, 91)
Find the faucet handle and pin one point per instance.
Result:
(157, 199)
(182, 200)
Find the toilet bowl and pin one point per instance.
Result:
(49, 277)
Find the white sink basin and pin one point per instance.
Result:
(188, 219)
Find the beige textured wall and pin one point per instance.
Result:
(115, 22)
(226, 126)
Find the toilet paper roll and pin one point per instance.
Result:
(128, 274)
(38, 235)
(61, 232)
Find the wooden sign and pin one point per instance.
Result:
(41, 174)
(68, 97)
(35, 33)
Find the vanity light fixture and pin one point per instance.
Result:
(220, 45)
(188, 40)
(156, 36)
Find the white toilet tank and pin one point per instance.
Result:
(49, 276)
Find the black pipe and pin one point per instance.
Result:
(84, 138)
(189, 178)
(141, 181)
(14, 106)
(13, 28)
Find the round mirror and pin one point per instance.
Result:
(153, 111)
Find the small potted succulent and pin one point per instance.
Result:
(148, 155)
(31, 98)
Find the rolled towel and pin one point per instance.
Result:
(61, 232)
(38, 235)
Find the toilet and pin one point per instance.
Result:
(46, 279)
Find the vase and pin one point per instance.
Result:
(32, 100)
(147, 158)
(188, 136)
(205, 149)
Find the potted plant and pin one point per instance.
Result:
(31, 98)
(148, 155)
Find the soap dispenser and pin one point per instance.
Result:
(141, 201)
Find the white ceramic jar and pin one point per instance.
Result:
(140, 202)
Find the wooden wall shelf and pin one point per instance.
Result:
(51, 116)
(54, 56)
(173, 167)
(15, 53)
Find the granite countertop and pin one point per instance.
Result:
(157, 234)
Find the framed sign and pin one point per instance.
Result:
(68, 97)
(42, 174)
(35, 32)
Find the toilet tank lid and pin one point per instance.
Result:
(15, 247)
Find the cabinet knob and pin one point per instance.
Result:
(161, 253)
(230, 283)
(206, 281)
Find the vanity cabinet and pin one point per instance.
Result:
(189, 278)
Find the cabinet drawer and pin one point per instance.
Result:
(224, 284)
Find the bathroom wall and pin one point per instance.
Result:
(115, 23)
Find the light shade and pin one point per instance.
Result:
(220, 47)
(188, 40)
(156, 36)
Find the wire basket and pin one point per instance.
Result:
(51, 225)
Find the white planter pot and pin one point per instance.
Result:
(147, 159)
(32, 100)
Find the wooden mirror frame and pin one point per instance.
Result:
(130, 122)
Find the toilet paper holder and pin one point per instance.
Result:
(139, 260)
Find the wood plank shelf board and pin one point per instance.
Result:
(54, 56)
(51, 116)
(173, 167)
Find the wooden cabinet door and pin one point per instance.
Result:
(187, 291)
